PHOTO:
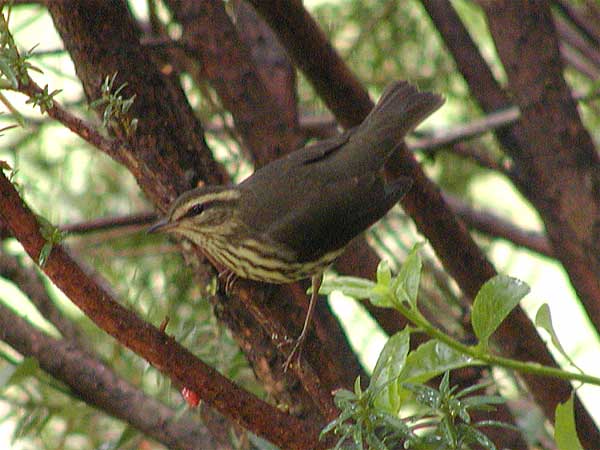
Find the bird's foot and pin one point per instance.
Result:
(230, 279)
(295, 354)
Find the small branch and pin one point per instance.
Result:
(112, 147)
(109, 223)
(493, 360)
(573, 58)
(30, 282)
(478, 155)
(98, 385)
(589, 29)
(573, 38)
(162, 351)
(475, 128)
(489, 223)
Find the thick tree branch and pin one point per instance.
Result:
(211, 39)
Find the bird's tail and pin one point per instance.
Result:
(399, 110)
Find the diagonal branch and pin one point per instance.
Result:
(558, 155)
(489, 223)
(98, 385)
(212, 40)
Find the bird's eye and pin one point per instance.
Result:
(194, 210)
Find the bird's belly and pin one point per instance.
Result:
(246, 262)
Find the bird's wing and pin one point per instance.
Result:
(315, 226)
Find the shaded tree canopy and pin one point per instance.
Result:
(137, 102)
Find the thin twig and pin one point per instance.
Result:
(491, 224)
(588, 28)
(112, 147)
(108, 223)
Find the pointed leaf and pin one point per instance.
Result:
(406, 283)
(494, 301)
(14, 374)
(384, 273)
(431, 359)
(350, 286)
(394, 353)
(388, 367)
(543, 319)
(565, 433)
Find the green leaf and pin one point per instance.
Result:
(389, 365)
(126, 436)
(494, 301)
(8, 72)
(384, 273)
(6, 374)
(406, 283)
(393, 354)
(543, 319)
(565, 433)
(45, 254)
(427, 361)
(431, 359)
(350, 286)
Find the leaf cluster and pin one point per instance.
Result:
(116, 108)
(374, 417)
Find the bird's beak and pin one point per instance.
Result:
(162, 225)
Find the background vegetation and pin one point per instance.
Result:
(157, 97)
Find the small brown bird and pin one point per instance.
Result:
(294, 216)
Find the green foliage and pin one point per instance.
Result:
(443, 420)
(14, 374)
(116, 108)
(44, 99)
(373, 417)
(543, 319)
(13, 65)
(494, 301)
(53, 236)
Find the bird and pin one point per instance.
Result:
(293, 217)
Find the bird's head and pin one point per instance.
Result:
(201, 214)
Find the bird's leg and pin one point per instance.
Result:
(295, 353)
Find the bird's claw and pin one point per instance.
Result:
(230, 280)
(294, 354)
